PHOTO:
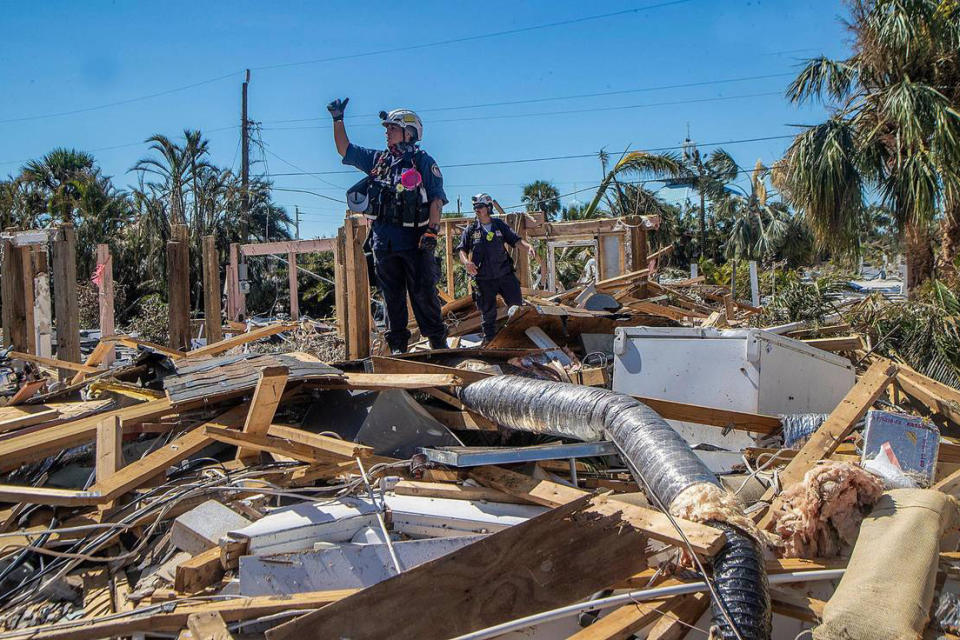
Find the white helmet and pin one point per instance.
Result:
(404, 118)
(482, 198)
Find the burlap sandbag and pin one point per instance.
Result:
(888, 587)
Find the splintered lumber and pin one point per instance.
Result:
(263, 406)
(46, 441)
(454, 491)
(394, 381)
(666, 311)
(199, 572)
(623, 622)
(679, 617)
(243, 338)
(252, 444)
(136, 343)
(556, 558)
(936, 396)
(383, 364)
(836, 343)
(208, 625)
(232, 610)
(543, 492)
(703, 539)
(97, 356)
(836, 427)
(333, 446)
(156, 463)
(48, 495)
(52, 363)
(725, 418)
(18, 417)
(109, 448)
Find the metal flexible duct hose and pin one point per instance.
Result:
(657, 452)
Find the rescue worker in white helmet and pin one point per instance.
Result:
(403, 196)
(484, 255)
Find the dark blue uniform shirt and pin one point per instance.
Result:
(392, 237)
(487, 252)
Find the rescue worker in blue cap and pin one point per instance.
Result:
(484, 256)
(403, 196)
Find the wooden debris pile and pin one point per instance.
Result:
(221, 493)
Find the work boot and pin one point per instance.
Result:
(398, 350)
(438, 342)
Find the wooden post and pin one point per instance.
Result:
(358, 290)
(340, 284)
(294, 291)
(212, 325)
(523, 262)
(17, 292)
(449, 262)
(236, 300)
(263, 406)
(106, 298)
(109, 449)
(178, 287)
(638, 244)
(65, 305)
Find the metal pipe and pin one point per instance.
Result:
(633, 596)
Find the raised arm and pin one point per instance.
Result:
(336, 109)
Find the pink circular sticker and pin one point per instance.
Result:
(410, 179)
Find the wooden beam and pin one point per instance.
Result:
(316, 245)
(725, 418)
(208, 625)
(836, 343)
(391, 381)
(263, 406)
(65, 303)
(703, 539)
(154, 464)
(358, 289)
(100, 352)
(12, 418)
(16, 286)
(454, 492)
(136, 343)
(294, 289)
(623, 622)
(199, 572)
(251, 444)
(936, 396)
(243, 338)
(38, 444)
(10, 313)
(232, 610)
(109, 448)
(836, 427)
(105, 298)
(49, 496)
(461, 420)
(681, 614)
(340, 284)
(383, 364)
(178, 287)
(556, 558)
(212, 326)
(333, 446)
(52, 363)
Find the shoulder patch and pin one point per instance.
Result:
(435, 170)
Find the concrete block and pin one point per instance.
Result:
(202, 527)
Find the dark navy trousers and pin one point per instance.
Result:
(416, 272)
(486, 295)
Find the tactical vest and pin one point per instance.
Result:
(390, 201)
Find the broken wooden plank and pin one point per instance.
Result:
(12, 418)
(52, 363)
(136, 343)
(835, 428)
(703, 539)
(936, 396)
(208, 625)
(679, 617)
(253, 444)
(461, 420)
(109, 448)
(556, 558)
(45, 441)
(232, 610)
(622, 622)
(243, 338)
(836, 343)
(48, 495)
(100, 352)
(199, 572)
(263, 406)
(382, 364)
(455, 492)
(333, 446)
(156, 463)
(726, 418)
(392, 381)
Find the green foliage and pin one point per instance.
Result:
(810, 301)
(541, 195)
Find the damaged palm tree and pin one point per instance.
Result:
(662, 461)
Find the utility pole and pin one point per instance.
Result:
(297, 209)
(245, 159)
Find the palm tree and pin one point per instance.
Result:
(540, 195)
(53, 179)
(174, 168)
(637, 163)
(709, 177)
(895, 129)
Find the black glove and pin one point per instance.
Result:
(428, 240)
(337, 107)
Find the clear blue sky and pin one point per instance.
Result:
(65, 56)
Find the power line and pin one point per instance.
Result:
(684, 85)
(481, 36)
(570, 111)
(560, 157)
(118, 102)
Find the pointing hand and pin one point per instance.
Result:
(337, 107)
